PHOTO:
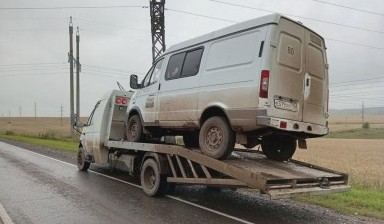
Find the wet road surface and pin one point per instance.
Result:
(39, 189)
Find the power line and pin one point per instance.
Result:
(33, 74)
(43, 63)
(200, 15)
(302, 17)
(363, 45)
(357, 80)
(73, 7)
(348, 7)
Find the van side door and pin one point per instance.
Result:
(178, 95)
(146, 97)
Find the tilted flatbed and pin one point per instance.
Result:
(243, 169)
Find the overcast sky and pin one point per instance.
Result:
(116, 42)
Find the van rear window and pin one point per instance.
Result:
(184, 64)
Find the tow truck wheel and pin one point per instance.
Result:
(82, 165)
(152, 181)
(279, 147)
(216, 139)
(134, 129)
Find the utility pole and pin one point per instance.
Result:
(61, 115)
(70, 59)
(77, 76)
(35, 109)
(362, 113)
(19, 111)
(157, 27)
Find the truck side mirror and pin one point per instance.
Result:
(133, 82)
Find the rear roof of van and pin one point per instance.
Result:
(246, 25)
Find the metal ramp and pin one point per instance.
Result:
(244, 169)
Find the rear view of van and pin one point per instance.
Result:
(259, 82)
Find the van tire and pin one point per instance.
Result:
(279, 147)
(82, 164)
(153, 183)
(134, 129)
(191, 140)
(216, 138)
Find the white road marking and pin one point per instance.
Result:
(4, 216)
(138, 186)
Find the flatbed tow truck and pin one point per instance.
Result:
(161, 166)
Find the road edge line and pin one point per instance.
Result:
(4, 216)
(138, 186)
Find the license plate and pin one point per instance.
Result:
(286, 105)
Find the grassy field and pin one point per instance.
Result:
(62, 144)
(348, 148)
(363, 160)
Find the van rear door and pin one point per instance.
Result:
(315, 80)
(285, 91)
(298, 76)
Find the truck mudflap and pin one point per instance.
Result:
(244, 169)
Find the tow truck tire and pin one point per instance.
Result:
(191, 140)
(152, 181)
(279, 147)
(134, 129)
(216, 138)
(82, 165)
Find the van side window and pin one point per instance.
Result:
(174, 66)
(153, 74)
(192, 62)
(147, 78)
(184, 64)
(156, 72)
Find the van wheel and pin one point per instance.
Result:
(216, 138)
(134, 129)
(152, 182)
(279, 147)
(191, 140)
(82, 165)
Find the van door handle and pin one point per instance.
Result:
(307, 85)
(159, 86)
(151, 94)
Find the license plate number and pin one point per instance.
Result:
(286, 105)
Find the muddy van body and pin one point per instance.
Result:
(263, 81)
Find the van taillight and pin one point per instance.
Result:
(264, 81)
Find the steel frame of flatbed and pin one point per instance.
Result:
(188, 166)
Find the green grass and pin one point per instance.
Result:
(61, 144)
(359, 201)
(363, 133)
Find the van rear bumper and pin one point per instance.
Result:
(292, 125)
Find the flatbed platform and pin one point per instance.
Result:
(244, 169)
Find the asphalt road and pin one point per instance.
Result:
(38, 189)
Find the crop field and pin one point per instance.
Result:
(362, 159)
(347, 122)
(40, 126)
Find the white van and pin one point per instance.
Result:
(263, 81)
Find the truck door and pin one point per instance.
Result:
(287, 71)
(315, 80)
(146, 97)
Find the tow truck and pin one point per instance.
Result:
(162, 165)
